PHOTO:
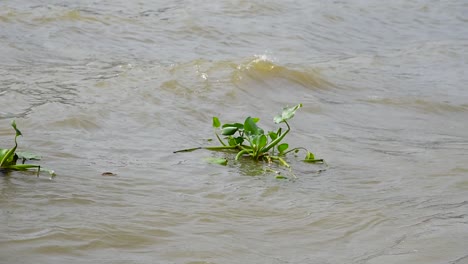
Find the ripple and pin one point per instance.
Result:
(118, 86)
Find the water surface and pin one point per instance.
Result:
(118, 86)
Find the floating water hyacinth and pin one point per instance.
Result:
(10, 157)
(249, 140)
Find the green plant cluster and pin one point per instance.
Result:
(251, 141)
(9, 157)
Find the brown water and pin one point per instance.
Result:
(117, 86)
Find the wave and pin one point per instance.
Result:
(261, 68)
(420, 105)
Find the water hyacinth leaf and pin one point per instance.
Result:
(272, 135)
(309, 156)
(238, 125)
(8, 157)
(220, 161)
(28, 155)
(287, 114)
(232, 141)
(251, 128)
(278, 119)
(229, 131)
(18, 133)
(261, 141)
(239, 140)
(216, 122)
(3, 152)
(282, 148)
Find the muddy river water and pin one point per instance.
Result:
(117, 86)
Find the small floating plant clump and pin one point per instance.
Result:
(249, 140)
(10, 157)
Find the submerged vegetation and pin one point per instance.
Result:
(10, 157)
(249, 140)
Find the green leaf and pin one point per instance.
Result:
(28, 155)
(239, 140)
(282, 148)
(272, 135)
(216, 122)
(238, 125)
(261, 141)
(18, 133)
(232, 141)
(251, 128)
(288, 113)
(3, 152)
(229, 131)
(220, 161)
(9, 157)
(309, 156)
(278, 119)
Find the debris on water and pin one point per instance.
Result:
(108, 173)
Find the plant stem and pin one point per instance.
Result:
(294, 149)
(284, 163)
(219, 139)
(208, 148)
(187, 150)
(240, 153)
(221, 147)
(277, 140)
